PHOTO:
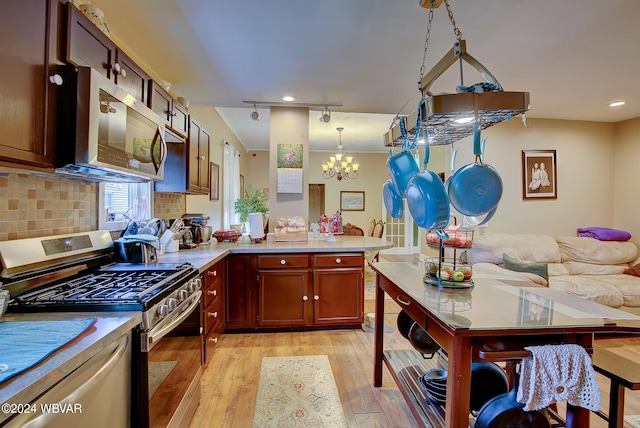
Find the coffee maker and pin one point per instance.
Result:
(200, 232)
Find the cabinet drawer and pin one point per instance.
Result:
(212, 293)
(339, 260)
(212, 315)
(213, 275)
(210, 342)
(283, 261)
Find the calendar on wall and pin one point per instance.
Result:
(289, 168)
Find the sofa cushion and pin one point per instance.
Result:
(633, 270)
(540, 269)
(493, 271)
(629, 287)
(590, 250)
(557, 269)
(588, 287)
(526, 247)
(580, 268)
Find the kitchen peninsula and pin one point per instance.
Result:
(283, 285)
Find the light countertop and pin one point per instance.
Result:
(30, 384)
(205, 256)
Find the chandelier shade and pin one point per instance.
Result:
(340, 165)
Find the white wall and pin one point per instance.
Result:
(627, 178)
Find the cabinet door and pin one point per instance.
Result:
(338, 296)
(160, 101)
(203, 150)
(87, 45)
(283, 298)
(27, 108)
(237, 292)
(179, 119)
(131, 77)
(193, 160)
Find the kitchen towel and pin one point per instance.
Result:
(23, 344)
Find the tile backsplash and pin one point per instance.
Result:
(33, 206)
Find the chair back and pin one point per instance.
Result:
(372, 225)
(350, 229)
(378, 230)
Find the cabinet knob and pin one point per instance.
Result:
(213, 314)
(123, 73)
(173, 113)
(212, 273)
(212, 292)
(56, 79)
(213, 339)
(316, 297)
(338, 260)
(282, 262)
(116, 67)
(305, 298)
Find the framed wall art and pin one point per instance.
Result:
(539, 174)
(351, 201)
(214, 173)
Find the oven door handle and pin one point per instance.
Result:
(154, 335)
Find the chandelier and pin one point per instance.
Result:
(340, 165)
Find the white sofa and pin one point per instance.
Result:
(584, 267)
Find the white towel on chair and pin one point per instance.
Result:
(556, 373)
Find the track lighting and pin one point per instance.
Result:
(255, 115)
(326, 115)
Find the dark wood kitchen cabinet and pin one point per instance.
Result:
(338, 289)
(291, 291)
(175, 115)
(238, 284)
(198, 158)
(283, 290)
(213, 307)
(88, 46)
(28, 47)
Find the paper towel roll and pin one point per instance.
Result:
(256, 227)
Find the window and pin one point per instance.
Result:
(231, 185)
(117, 201)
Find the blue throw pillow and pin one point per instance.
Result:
(540, 269)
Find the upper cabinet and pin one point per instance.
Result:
(198, 160)
(28, 49)
(87, 45)
(176, 116)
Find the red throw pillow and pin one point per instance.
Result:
(633, 270)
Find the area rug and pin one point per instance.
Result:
(297, 392)
(633, 420)
(158, 372)
(370, 286)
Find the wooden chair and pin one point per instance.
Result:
(350, 229)
(372, 225)
(370, 256)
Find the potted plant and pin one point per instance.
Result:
(253, 201)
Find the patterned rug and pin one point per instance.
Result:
(297, 392)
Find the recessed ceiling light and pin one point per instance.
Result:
(288, 98)
(617, 103)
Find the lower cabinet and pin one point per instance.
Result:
(213, 304)
(276, 291)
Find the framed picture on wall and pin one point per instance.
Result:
(215, 181)
(351, 201)
(539, 174)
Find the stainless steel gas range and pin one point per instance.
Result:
(76, 272)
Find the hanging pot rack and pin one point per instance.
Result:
(438, 112)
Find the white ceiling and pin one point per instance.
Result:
(572, 56)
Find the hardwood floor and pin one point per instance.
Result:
(230, 381)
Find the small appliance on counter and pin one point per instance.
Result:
(200, 232)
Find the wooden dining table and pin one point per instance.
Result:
(482, 320)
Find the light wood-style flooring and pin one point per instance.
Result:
(230, 381)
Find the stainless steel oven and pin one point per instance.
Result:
(75, 272)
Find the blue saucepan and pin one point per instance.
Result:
(402, 167)
(476, 188)
(427, 199)
(392, 200)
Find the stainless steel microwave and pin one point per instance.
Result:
(104, 133)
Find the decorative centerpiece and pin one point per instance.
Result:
(448, 272)
(253, 201)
